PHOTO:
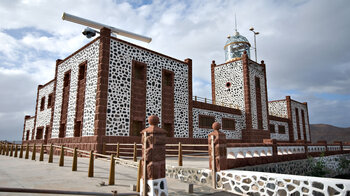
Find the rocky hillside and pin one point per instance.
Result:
(329, 133)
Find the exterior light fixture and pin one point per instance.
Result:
(255, 33)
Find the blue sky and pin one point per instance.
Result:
(304, 44)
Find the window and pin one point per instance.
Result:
(137, 127)
(77, 129)
(168, 127)
(49, 100)
(39, 133)
(206, 121)
(27, 135)
(272, 128)
(228, 124)
(281, 129)
(139, 71)
(168, 78)
(42, 104)
(66, 79)
(62, 132)
(82, 71)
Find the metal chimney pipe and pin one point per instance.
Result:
(97, 25)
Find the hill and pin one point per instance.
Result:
(329, 133)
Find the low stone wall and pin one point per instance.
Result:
(302, 167)
(190, 175)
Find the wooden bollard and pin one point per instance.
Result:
(7, 149)
(27, 152)
(21, 152)
(118, 150)
(75, 160)
(180, 154)
(91, 164)
(112, 171)
(34, 152)
(0, 149)
(41, 158)
(51, 154)
(135, 152)
(139, 173)
(11, 150)
(61, 162)
(16, 150)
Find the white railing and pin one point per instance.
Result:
(316, 148)
(284, 150)
(346, 147)
(263, 183)
(248, 152)
(333, 148)
(206, 100)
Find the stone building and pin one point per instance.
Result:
(105, 91)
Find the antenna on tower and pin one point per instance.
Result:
(235, 23)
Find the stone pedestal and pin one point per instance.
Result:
(219, 148)
(153, 155)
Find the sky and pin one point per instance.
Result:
(304, 43)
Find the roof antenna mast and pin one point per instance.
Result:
(235, 23)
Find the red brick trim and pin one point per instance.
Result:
(190, 94)
(290, 117)
(80, 100)
(58, 61)
(142, 48)
(258, 102)
(102, 83)
(247, 101)
(212, 67)
(217, 108)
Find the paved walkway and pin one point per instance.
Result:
(25, 173)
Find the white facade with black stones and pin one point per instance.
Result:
(234, 88)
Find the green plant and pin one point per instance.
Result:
(318, 167)
(344, 163)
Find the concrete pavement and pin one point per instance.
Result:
(25, 173)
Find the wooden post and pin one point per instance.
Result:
(51, 154)
(61, 162)
(118, 150)
(180, 154)
(213, 162)
(7, 149)
(11, 150)
(27, 152)
(41, 157)
(0, 148)
(34, 152)
(139, 172)
(75, 160)
(144, 169)
(91, 164)
(112, 171)
(135, 152)
(104, 148)
(21, 152)
(16, 150)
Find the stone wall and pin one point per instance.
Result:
(301, 167)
